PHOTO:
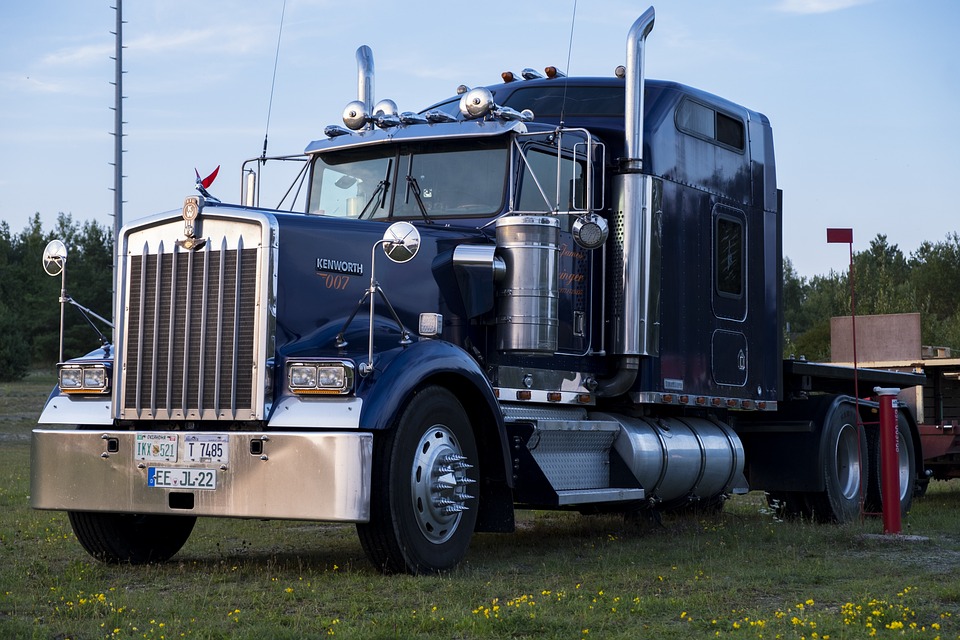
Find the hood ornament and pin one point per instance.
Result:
(204, 183)
(192, 206)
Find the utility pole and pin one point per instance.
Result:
(117, 145)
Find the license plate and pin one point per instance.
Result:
(206, 448)
(156, 447)
(170, 478)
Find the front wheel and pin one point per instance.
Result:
(422, 514)
(127, 538)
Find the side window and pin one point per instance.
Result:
(729, 255)
(729, 263)
(543, 164)
(705, 122)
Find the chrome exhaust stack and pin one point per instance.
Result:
(633, 145)
(636, 260)
(365, 80)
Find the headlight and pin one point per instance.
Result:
(84, 378)
(320, 377)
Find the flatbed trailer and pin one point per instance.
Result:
(934, 405)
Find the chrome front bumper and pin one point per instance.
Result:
(282, 475)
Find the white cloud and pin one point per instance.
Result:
(79, 56)
(236, 40)
(818, 6)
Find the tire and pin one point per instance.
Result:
(421, 515)
(122, 538)
(845, 468)
(907, 469)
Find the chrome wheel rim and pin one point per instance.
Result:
(439, 484)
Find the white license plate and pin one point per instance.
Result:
(170, 478)
(156, 447)
(206, 448)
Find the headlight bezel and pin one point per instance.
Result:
(306, 377)
(84, 378)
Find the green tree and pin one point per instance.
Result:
(935, 276)
(89, 283)
(14, 359)
(882, 279)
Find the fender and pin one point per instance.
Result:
(785, 452)
(63, 408)
(444, 364)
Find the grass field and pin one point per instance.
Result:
(737, 574)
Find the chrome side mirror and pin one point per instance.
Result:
(401, 242)
(54, 257)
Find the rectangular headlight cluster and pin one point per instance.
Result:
(85, 378)
(321, 377)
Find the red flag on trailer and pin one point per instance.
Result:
(842, 236)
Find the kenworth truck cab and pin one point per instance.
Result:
(552, 293)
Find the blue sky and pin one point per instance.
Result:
(863, 94)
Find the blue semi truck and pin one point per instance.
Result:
(549, 293)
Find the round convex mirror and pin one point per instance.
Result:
(54, 257)
(401, 242)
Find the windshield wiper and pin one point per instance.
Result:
(380, 193)
(413, 185)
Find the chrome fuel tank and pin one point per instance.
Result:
(679, 460)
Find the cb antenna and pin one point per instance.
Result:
(273, 84)
(573, 22)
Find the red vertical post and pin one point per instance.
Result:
(889, 460)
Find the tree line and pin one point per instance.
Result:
(886, 281)
(29, 307)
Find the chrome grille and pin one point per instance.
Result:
(190, 346)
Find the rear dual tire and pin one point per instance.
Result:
(851, 473)
(843, 471)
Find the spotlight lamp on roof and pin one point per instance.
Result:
(478, 103)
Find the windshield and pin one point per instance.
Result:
(411, 181)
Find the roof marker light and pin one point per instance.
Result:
(435, 116)
(409, 117)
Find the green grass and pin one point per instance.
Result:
(738, 574)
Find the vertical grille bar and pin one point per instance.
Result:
(202, 374)
(140, 325)
(155, 356)
(171, 335)
(187, 332)
(236, 330)
(219, 360)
